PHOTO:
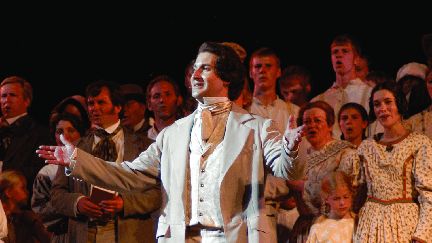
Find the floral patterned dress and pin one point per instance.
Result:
(335, 155)
(399, 182)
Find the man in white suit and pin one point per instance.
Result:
(212, 164)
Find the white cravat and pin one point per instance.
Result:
(211, 106)
(206, 124)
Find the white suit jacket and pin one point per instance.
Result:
(251, 145)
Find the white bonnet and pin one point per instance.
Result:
(412, 68)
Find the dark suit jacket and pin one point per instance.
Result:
(135, 223)
(142, 132)
(20, 155)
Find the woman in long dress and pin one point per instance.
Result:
(397, 168)
(325, 155)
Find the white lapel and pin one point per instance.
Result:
(179, 146)
(235, 136)
(179, 158)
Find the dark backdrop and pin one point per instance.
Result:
(61, 53)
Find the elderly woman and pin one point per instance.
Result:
(396, 167)
(325, 155)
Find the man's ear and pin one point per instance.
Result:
(8, 193)
(279, 74)
(143, 107)
(179, 100)
(118, 108)
(308, 88)
(27, 103)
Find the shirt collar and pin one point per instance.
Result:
(13, 119)
(213, 100)
(111, 128)
(139, 125)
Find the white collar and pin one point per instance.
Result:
(13, 119)
(111, 128)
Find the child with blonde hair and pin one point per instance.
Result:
(336, 224)
(23, 225)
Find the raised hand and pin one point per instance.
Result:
(58, 155)
(293, 134)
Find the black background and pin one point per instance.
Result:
(61, 51)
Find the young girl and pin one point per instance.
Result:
(23, 225)
(337, 221)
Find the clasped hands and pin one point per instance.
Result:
(106, 209)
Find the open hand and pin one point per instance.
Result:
(58, 155)
(293, 135)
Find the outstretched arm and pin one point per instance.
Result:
(138, 175)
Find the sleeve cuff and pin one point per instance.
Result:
(291, 153)
(76, 206)
(72, 163)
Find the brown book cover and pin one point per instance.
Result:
(98, 194)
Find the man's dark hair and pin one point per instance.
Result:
(348, 39)
(228, 67)
(94, 89)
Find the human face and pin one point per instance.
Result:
(385, 108)
(18, 193)
(163, 101)
(429, 83)
(12, 100)
(205, 81)
(264, 71)
(294, 92)
(342, 56)
(361, 68)
(188, 78)
(133, 113)
(340, 202)
(317, 131)
(101, 110)
(352, 125)
(69, 132)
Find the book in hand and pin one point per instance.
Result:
(98, 194)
